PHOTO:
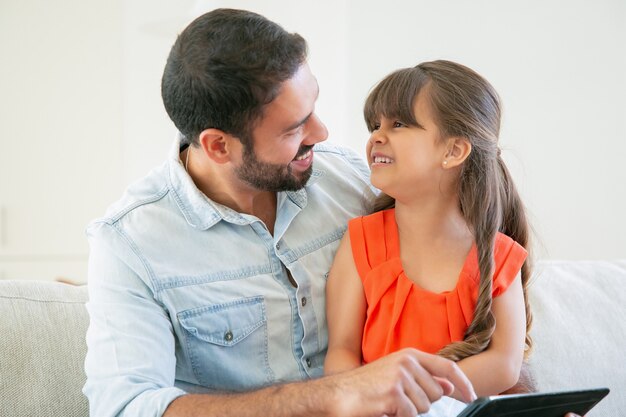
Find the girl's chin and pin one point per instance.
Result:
(378, 184)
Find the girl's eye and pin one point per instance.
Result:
(398, 124)
(376, 126)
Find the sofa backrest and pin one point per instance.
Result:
(579, 329)
(42, 349)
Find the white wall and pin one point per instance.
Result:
(80, 85)
(60, 131)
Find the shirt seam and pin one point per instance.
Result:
(150, 274)
(114, 218)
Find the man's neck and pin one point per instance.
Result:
(222, 186)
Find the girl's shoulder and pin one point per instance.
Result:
(374, 239)
(509, 257)
(375, 220)
(506, 247)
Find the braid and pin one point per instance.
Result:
(499, 209)
(480, 204)
(515, 225)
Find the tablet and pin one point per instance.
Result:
(549, 404)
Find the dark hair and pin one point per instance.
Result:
(223, 68)
(464, 104)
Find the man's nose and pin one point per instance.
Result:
(316, 131)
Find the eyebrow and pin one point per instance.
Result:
(304, 120)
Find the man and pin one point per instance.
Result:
(207, 278)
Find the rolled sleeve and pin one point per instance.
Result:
(131, 362)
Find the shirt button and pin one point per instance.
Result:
(303, 301)
(308, 362)
(228, 336)
(278, 246)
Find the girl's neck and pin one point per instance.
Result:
(432, 221)
(434, 243)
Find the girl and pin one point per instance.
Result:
(441, 264)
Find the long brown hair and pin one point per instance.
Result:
(464, 105)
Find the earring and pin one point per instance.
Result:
(445, 163)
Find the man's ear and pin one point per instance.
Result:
(217, 145)
(457, 150)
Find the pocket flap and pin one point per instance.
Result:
(224, 324)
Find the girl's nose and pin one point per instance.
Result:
(378, 137)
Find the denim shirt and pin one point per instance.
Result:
(187, 295)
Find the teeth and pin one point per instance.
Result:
(305, 156)
(382, 160)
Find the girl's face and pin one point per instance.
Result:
(406, 161)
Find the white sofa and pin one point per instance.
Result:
(579, 329)
(579, 333)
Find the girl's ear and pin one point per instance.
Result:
(457, 150)
(217, 145)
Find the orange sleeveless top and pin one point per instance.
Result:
(401, 314)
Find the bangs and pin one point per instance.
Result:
(394, 97)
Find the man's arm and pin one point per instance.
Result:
(402, 384)
(130, 362)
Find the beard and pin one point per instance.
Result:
(271, 177)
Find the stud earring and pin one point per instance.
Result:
(445, 163)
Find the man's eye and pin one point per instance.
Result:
(294, 132)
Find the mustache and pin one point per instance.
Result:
(303, 149)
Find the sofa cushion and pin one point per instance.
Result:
(579, 329)
(42, 349)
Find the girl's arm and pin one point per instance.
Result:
(345, 312)
(498, 367)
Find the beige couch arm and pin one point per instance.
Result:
(579, 329)
(42, 349)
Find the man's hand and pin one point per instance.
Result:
(402, 384)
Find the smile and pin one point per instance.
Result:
(304, 156)
(382, 160)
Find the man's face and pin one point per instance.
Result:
(281, 156)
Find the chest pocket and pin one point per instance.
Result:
(227, 344)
